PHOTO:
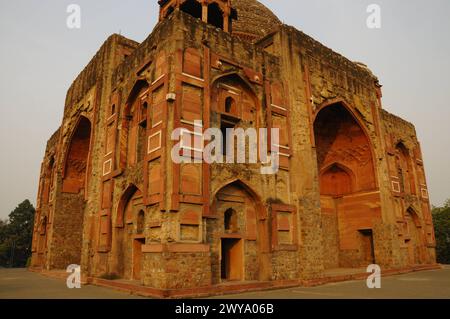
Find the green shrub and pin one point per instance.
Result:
(441, 221)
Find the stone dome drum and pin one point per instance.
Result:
(254, 20)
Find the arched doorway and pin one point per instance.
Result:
(347, 184)
(414, 237)
(129, 234)
(75, 179)
(238, 239)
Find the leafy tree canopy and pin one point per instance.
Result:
(16, 236)
(441, 221)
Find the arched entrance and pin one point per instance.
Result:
(129, 234)
(414, 237)
(347, 184)
(238, 239)
(68, 220)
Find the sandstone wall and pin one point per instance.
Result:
(140, 216)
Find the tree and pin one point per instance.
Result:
(3, 223)
(3, 247)
(447, 203)
(441, 221)
(16, 236)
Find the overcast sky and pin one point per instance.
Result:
(40, 57)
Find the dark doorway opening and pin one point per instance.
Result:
(368, 247)
(232, 259)
(231, 221)
(215, 15)
(224, 126)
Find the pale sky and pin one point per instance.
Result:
(40, 57)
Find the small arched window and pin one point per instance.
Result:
(192, 7)
(231, 221)
(230, 105)
(215, 15)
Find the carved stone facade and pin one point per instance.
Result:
(351, 189)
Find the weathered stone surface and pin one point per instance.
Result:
(351, 189)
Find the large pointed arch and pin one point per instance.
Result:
(350, 110)
(77, 155)
(346, 167)
(335, 119)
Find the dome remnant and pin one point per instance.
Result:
(254, 20)
(249, 20)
